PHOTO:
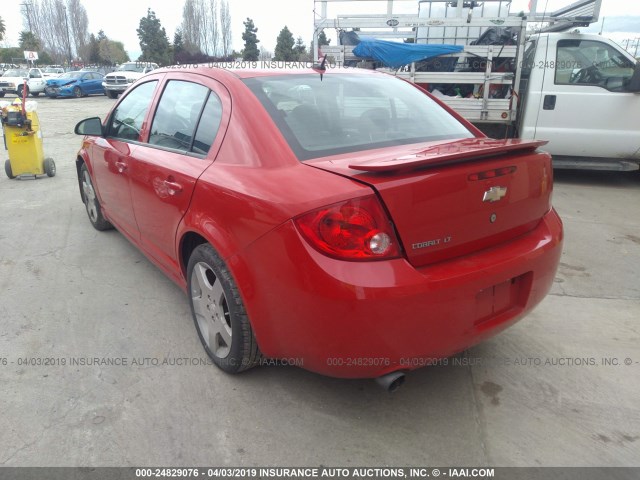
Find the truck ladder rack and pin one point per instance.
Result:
(457, 22)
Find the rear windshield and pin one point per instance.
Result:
(351, 113)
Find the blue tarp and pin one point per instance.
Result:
(396, 55)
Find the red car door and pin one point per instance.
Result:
(184, 138)
(113, 155)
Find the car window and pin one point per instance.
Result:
(209, 125)
(126, 120)
(16, 73)
(176, 117)
(588, 62)
(335, 114)
(70, 75)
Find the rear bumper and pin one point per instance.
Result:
(349, 319)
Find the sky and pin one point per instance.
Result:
(119, 18)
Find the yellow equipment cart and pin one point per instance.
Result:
(23, 140)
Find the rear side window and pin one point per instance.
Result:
(187, 118)
(126, 120)
(209, 125)
(351, 113)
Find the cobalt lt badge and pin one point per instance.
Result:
(495, 194)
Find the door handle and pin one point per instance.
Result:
(173, 187)
(549, 102)
(121, 166)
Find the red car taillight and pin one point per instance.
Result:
(357, 229)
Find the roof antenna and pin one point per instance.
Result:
(322, 67)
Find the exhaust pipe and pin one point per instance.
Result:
(391, 381)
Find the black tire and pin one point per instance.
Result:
(35, 94)
(77, 92)
(91, 202)
(8, 171)
(19, 90)
(111, 94)
(50, 167)
(1, 94)
(228, 311)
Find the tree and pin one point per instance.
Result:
(284, 46)
(225, 28)
(200, 26)
(8, 54)
(93, 49)
(250, 52)
(214, 39)
(79, 26)
(3, 29)
(112, 52)
(101, 50)
(178, 45)
(52, 22)
(190, 27)
(322, 39)
(300, 50)
(265, 55)
(153, 40)
(28, 41)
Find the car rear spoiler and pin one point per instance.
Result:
(449, 153)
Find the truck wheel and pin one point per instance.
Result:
(111, 94)
(1, 94)
(50, 167)
(7, 170)
(94, 210)
(35, 94)
(219, 313)
(20, 88)
(77, 92)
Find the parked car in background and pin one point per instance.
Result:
(117, 82)
(102, 69)
(75, 84)
(12, 81)
(7, 66)
(52, 72)
(36, 83)
(347, 220)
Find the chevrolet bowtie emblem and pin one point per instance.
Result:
(495, 194)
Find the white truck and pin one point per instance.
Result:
(547, 81)
(124, 76)
(12, 81)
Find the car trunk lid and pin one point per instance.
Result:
(449, 199)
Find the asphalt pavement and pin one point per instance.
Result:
(560, 388)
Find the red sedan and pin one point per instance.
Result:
(348, 221)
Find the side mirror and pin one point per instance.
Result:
(634, 83)
(90, 126)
